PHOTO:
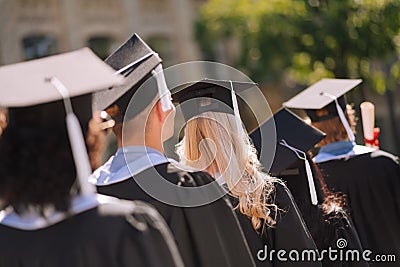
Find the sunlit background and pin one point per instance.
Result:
(283, 45)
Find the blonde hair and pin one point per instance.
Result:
(3, 120)
(212, 143)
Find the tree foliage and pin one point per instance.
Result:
(305, 40)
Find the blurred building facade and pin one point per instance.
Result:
(36, 28)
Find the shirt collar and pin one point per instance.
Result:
(337, 148)
(127, 162)
(31, 220)
(342, 150)
(128, 154)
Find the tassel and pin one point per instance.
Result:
(311, 185)
(301, 155)
(79, 152)
(236, 113)
(163, 91)
(76, 140)
(342, 117)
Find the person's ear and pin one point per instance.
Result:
(161, 115)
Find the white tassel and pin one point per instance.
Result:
(236, 113)
(163, 91)
(79, 152)
(301, 155)
(76, 140)
(342, 117)
(311, 185)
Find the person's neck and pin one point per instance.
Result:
(326, 142)
(154, 143)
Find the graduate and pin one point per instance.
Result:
(324, 211)
(207, 233)
(369, 177)
(216, 141)
(50, 214)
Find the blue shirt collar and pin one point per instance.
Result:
(337, 148)
(127, 162)
(31, 220)
(342, 150)
(128, 154)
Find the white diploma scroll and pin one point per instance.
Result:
(368, 119)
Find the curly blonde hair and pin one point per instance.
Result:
(3, 120)
(212, 143)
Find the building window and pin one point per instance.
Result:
(102, 46)
(39, 46)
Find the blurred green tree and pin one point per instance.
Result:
(302, 41)
(307, 39)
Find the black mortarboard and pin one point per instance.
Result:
(217, 92)
(293, 131)
(294, 139)
(52, 94)
(137, 62)
(329, 94)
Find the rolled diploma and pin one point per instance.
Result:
(368, 119)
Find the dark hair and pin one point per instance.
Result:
(36, 164)
(333, 127)
(334, 204)
(35, 170)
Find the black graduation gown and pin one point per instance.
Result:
(208, 235)
(372, 184)
(326, 230)
(109, 235)
(289, 233)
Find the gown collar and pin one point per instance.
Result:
(32, 220)
(340, 150)
(127, 162)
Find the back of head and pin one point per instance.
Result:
(36, 163)
(333, 126)
(212, 143)
(323, 101)
(136, 101)
(42, 150)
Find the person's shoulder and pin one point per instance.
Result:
(281, 188)
(183, 175)
(376, 159)
(385, 156)
(128, 225)
(281, 195)
(114, 207)
(284, 200)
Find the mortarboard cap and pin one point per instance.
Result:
(290, 128)
(320, 94)
(211, 95)
(27, 83)
(137, 62)
(218, 92)
(41, 100)
(328, 94)
(294, 138)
